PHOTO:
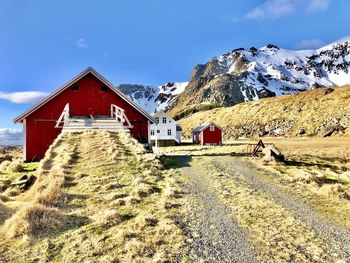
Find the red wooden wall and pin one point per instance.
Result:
(208, 137)
(211, 137)
(89, 99)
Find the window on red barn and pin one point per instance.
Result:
(212, 128)
(104, 88)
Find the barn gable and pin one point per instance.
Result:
(71, 83)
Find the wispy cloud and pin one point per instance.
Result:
(10, 136)
(23, 97)
(81, 43)
(310, 44)
(274, 9)
(317, 5)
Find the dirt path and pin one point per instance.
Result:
(337, 236)
(215, 236)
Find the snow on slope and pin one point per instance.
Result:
(285, 71)
(168, 93)
(152, 98)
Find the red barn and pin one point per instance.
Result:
(207, 134)
(87, 101)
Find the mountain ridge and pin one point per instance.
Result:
(248, 74)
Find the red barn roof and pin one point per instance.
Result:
(87, 71)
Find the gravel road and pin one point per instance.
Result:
(337, 236)
(214, 235)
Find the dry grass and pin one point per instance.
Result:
(306, 110)
(4, 165)
(112, 199)
(335, 190)
(317, 170)
(15, 167)
(33, 221)
(277, 233)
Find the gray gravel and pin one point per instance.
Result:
(335, 235)
(213, 236)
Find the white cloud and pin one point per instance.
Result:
(317, 5)
(273, 9)
(23, 97)
(10, 136)
(310, 44)
(81, 43)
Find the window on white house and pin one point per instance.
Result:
(169, 131)
(152, 132)
(158, 131)
(212, 128)
(164, 119)
(157, 120)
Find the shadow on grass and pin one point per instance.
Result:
(311, 164)
(177, 161)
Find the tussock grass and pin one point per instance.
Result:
(4, 165)
(335, 190)
(33, 221)
(110, 196)
(40, 216)
(15, 167)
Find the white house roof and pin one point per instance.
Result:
(87, 71)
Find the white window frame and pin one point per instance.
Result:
(163, 119)
(169, 132)
(212, 128)
(152, 132)
(157, 119)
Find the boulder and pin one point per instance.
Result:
(271, 153)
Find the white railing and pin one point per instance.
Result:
(119, 114)
(63, 118)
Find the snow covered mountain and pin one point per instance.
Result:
(249, 74)
(153, 98)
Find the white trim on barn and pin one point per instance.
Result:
(24, 139)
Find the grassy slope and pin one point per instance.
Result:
(98, 197)
(307, 110)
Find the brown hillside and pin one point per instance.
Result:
(312, 113)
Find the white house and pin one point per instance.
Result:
(166, 131)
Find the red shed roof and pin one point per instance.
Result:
(87, 71)
(204, 126)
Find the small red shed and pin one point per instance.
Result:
(87, 101)
(207, 134)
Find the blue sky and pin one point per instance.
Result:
(45, 43)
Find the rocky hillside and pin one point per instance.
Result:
(249, 74)
(319, 112)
